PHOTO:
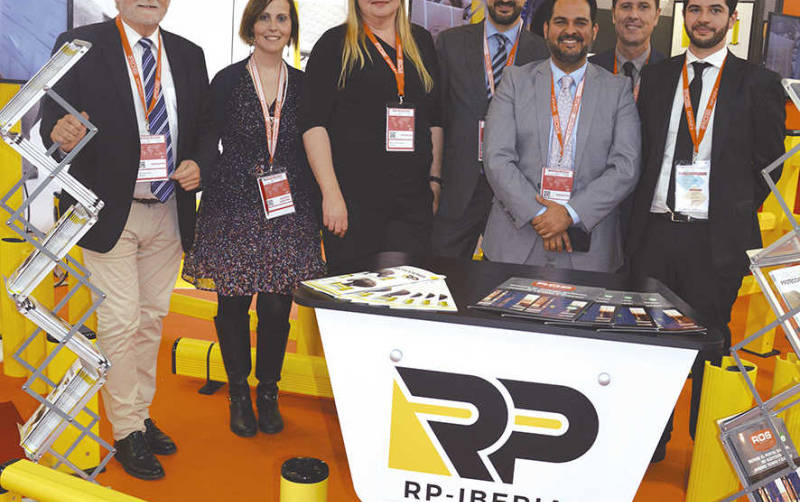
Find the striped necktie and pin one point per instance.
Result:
(159, 123)
(564, 101)
(498, 61)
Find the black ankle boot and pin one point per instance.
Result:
(243, 420)
(269, 416)
(234, 343)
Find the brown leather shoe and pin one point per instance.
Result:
(158, 442)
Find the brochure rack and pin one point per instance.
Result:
(766, 265)
(69, 397)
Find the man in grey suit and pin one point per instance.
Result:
(466, 89)
(562, 152)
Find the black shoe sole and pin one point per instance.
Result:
(245, 434)
(139, 475)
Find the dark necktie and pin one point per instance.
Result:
(627, 69)
(684, 149)
(498, 61)
(159, 121)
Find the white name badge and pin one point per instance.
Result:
(691, 187)
(481, 125)
(152, 158)
(399, 129)
(276, 195)
(557, 184)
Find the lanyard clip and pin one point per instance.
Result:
(401, 98)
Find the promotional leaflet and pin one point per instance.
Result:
(787, 282)
(756, 453)
(402, 287)
(593, 307)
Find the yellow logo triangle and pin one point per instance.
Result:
(410, 448)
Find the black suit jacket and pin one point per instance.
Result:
(462, 83)
(108, 164)
(748, 135)
(606, 59)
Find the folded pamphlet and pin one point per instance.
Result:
(404, 287)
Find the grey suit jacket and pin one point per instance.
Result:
(464, 102)
(607, 156)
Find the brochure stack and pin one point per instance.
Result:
(69, 396)
(598, 308)
(404, 287)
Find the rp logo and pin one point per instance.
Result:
(478, 432)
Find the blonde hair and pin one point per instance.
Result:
(355, 53)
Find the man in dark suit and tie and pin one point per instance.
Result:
(145, 90)
(471, 61)
(634, 22)
(694, 212)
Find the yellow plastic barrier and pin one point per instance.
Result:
(724, 393)
(774, 223)
(47, 485)
(16, 329)
(12, 165)
(787, 374)
(10, 497)
(304, 479)
(304, 371)
(302, 374)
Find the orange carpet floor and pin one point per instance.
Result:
(212, 464)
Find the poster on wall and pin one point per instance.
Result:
(738, 36)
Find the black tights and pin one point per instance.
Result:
(272, 309)
(273, 332)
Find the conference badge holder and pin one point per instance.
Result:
(692, 187)
(152, 158)
(276, 195)
(557, 184)
(399, 127)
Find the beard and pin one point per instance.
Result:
(716, 38)
(509, 19)
(568, 58)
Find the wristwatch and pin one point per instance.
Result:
(436, 179)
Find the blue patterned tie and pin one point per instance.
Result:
(498, 61)
(159, 123)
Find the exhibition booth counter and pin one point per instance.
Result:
(474, 406)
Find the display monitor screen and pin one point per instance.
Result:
(28, 30)
(782, 52)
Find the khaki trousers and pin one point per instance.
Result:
(137, 276)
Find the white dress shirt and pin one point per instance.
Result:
(659, 204)
(142, 190)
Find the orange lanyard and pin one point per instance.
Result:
(487, 58)
(399, 70)
(126, 46)
(573, 114)
(639, 80)
(272, 126)
(697, 135)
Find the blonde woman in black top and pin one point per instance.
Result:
(379, 187)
